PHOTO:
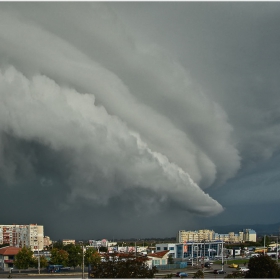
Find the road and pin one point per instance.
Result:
(33, 274)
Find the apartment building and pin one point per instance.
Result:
(31, 235)
(195, 236)
(68, 241)
(209, 235)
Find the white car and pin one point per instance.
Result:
(243, 269)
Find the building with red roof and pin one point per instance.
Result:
(7, 257)
(159, 258)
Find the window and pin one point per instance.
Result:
(156, 262)
(171, 248)
(158, 248)
(164, 248)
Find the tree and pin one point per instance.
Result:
(262, 267)
(103, 249)
(24, 258)
(235, 274)
(43, 262)
(75, 255)
(170, 259)
(199, 275)
(122, 266)
(59, 257)
(58, 245)
(91, 257)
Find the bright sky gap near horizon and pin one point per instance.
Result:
(138, 119)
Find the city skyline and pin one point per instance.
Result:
(138, 119)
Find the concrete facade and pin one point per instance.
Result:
(210, 235)
(23, 235)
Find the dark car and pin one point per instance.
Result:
(181, 274)
(207, 264)
(219, 271)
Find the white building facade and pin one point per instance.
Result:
(209, 235)
(23, 235)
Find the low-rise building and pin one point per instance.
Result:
(68, 241)
(7, 257)
(159, 258)
(193, 250)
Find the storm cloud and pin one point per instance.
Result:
(105, 121)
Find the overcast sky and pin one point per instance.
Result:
(139, 119)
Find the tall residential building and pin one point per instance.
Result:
(249, 235)
(209, 235)
(195, 236)
(23, 235)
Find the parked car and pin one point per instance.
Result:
(219, 271)
(233, 265)
(243, 269)
(181, 274)
(208, 264)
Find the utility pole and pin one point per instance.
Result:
(264, 245)
(197, 254)
(38, 259)
(203, 256)
(192, 253)
(277, 251)
(83, 273)
(222, 255)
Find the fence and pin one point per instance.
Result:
(172, 266)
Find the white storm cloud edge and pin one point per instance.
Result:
(173, 119)
(38, 109)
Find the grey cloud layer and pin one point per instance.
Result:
(78, 79)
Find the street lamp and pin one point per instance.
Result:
(38, 259)
(83, 262)
(38, 256)
(277, 251)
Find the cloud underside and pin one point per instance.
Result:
(125, 116)
(104, 157)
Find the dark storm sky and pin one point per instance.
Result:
(137, 119)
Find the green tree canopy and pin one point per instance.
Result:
(75, 255)
(58, 244)
(262, 267)
(199, 274)
(122, 266)
(24, 259)
(43, 262)
(91, 256)
(103, 249)
(59, 256)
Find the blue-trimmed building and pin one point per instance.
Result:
(192, 249)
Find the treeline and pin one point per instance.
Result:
(70, 255)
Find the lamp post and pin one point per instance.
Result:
(277, 251)
(38, 259)
(83, 260)
(222, 255)
(83, 273)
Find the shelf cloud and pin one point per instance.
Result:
(93, 113)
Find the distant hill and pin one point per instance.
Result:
(261, 229)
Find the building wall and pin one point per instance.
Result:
(192, 249)
(195, 236)
(23, 235)
(210, 235)
(167, 246)
(68, 241)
